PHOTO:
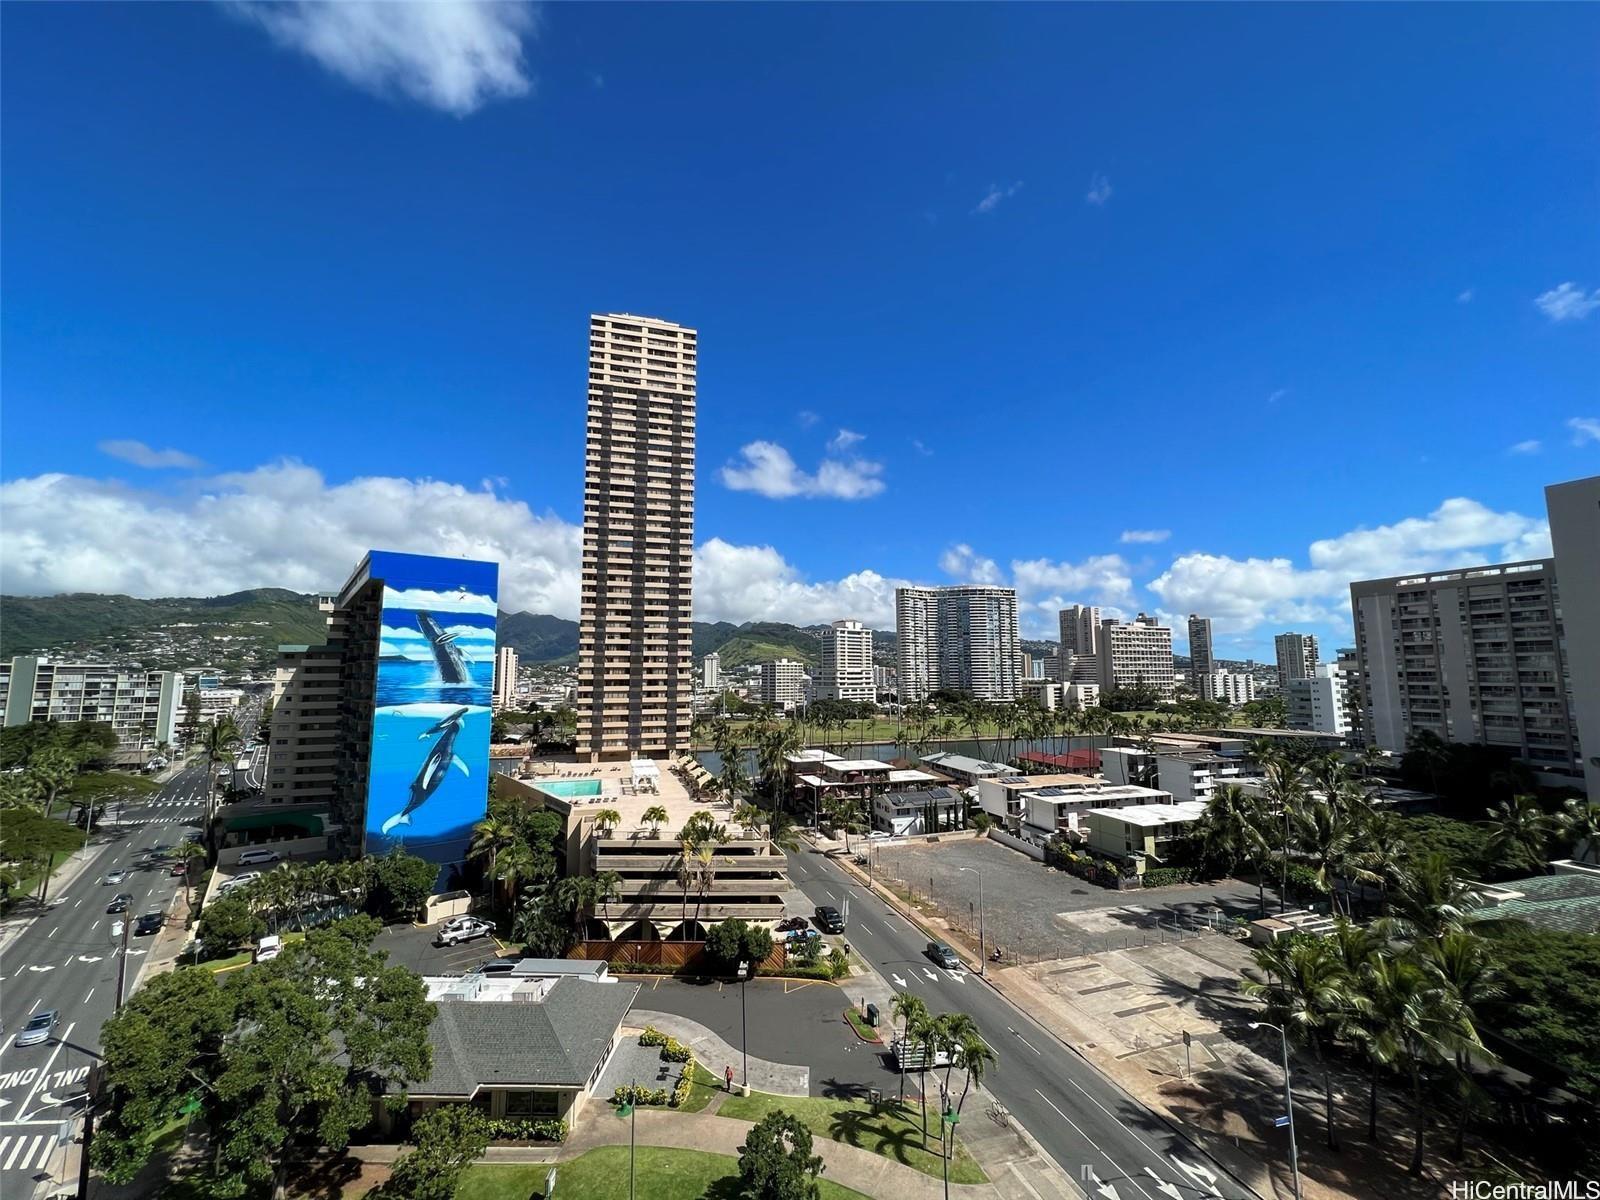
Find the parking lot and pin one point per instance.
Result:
(410, 946)
(1035, 912)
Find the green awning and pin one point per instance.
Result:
(310, 822)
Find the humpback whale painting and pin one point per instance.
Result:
(428, 773)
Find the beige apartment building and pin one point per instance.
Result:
(1138, 653)
(635, 679)
(846, 672)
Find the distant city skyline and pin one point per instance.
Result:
(234, 330)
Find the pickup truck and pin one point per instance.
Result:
(914, 1056)
(462, 929)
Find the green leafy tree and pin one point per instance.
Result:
(725, 941)
(403, 882)
(448, 1139)
(776, 1162)
(52, 771)
(1579, 828)
(229, 922)
(1520, 832)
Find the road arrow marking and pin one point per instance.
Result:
(1197, 1173)
(41, 970)
(898, 982)
(930, 974)
(50, 1100)
(1105, 1189)
(89, 958)
(1163, 1186)
(135, 951)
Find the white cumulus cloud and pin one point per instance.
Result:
(844, 439)
(140, 455)
(453, 55)
(1584, 429)
(992, 198)
(1568, 302)
(769, 470)
(756, 583)
(965, 565)
(1531, 446)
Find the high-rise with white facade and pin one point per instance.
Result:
(1137, 654)
(783, 683)
(141, 706)
(961, 638)
(1574, 511)
(635, 680)
(1472, 655)
(711, 671)
(505, 677)
(1297, 657)
(846, 672)
(1202, 664)
(1317, 704)
(1080, 629)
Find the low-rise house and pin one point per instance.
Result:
(519, 1045)
(930, 810)
(963, 769)
(1139, 831)
(1196, 774)
(1061, 807)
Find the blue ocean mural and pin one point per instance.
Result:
(428, 776)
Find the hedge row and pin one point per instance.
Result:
(672, 1050)
(526, 1129)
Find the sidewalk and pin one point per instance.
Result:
(711, 1051)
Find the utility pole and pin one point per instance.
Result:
(1288, 1103)
(982, 957)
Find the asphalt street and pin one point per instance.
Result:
(65, 959)
(1115, 1147)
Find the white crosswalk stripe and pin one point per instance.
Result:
(24, 1150)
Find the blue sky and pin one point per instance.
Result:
(1241, 281)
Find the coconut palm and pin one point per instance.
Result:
(976, 1058)
(949, 1031)
(490, 837)
(911, 1012)
(1463, 964)
(1520, 832)
(1415, 1025)
(50, 772)
(748, 816)
(1285, 789)
(655, 816)
(606, 820)
(1580, 828)
(1312, 996)
(1429, 901)
(1329, 841)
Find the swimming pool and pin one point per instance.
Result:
(569, 787)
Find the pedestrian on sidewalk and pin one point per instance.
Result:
(727, 1074)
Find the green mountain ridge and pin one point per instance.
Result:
(242, 631)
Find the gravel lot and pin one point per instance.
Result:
(1037, 912)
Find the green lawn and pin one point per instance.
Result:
(705, 1086)
(602, 1174)
(888, 1130)
(101, 785)
(859, 1024)
(244, 956)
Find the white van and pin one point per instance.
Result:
(254, 858)
(268, 948)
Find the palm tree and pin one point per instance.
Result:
(655, 816)
(1285, 788)
(949, 1031)
(1580, 828)
(1434, 752)
(748, 816)
(1520, 832)
(188, 852)
(1463, 964)
(1414, 1025)
(1328, 839)
(911, 1012)
(606, 820)
(490, 836)
(1312, 996)
(1429, 901)
(976, 1058)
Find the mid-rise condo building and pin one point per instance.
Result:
(1137, 654)
(1471, 655)
(783, 683)
(141, 706)
(1574, 511)
(505, 677)
(1202, 664)
(635, 681)
(1318, 704)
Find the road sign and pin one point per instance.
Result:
(1280, 1122)
(1185, 1037)
(550, 1183)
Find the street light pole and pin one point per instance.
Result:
(629, 1113)
(1288, 1103)
(744, 1023)
(983, 958)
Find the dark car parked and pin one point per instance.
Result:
(828, 919)
(120, 902)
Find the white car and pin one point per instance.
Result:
(238, 881)
(39, 1028)
(268, 948)
(462, 929)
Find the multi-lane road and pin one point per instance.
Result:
(65, 959)
(1114, 1146)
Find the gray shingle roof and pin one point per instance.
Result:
(1562, 902)
(557, 1042)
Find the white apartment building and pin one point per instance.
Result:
(634, 639)
(846, 672)
(1046, 693)
(783, 683)
(1472, 655)
(1196, 775)
(218, 702)
(1081, 695)
(1202, 663)
(141, 706)
(1139, 652)
(1297, 658)
(711, 672)
(1072, 667)
(961, 638)
(1574, 511)
(1229, 687)
(1318, 704)
(505, 677)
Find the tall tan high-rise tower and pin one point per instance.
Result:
(634, 677)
